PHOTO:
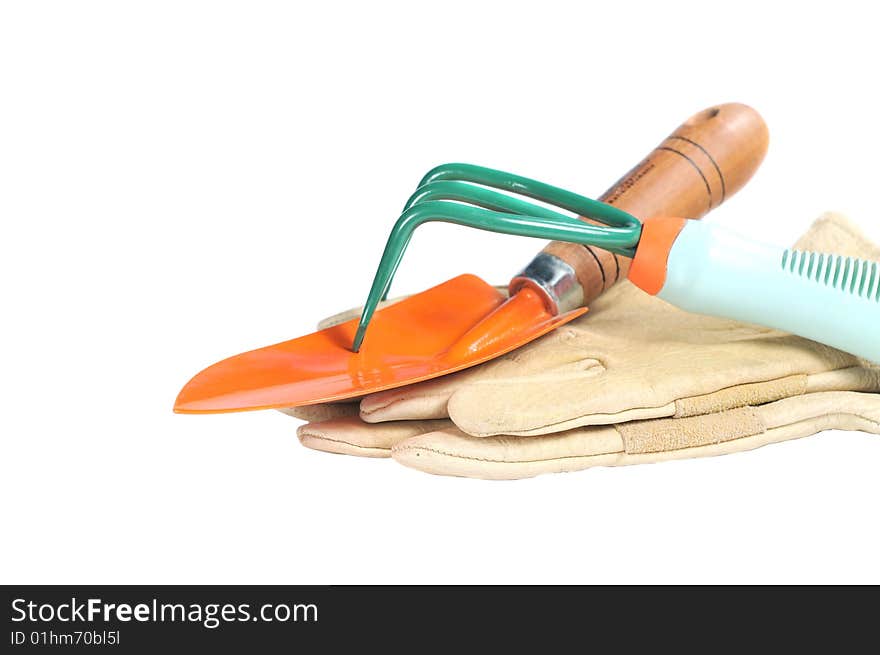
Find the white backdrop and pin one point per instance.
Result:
(180, 181)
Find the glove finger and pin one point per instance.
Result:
(649, 382)
(322, 412)
(748, 428)
(424, 400)
(351, 436)
(854, 378)
(452, 452)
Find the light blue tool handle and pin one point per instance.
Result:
(827, 298)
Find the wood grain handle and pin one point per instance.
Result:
(696, 168)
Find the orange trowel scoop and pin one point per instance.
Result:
(465, 321)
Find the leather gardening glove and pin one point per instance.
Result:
(706, 386)
(450, 451)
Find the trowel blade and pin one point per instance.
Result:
(455, 325)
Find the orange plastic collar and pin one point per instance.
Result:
(648, 270)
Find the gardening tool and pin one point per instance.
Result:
(465, 321)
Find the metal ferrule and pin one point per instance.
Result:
(554, 279)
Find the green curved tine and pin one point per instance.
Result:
(457, 182)
(464, 192)
(443, 191)
(523, 186)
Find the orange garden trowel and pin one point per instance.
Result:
(465, 321)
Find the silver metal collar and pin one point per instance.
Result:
(554, 280)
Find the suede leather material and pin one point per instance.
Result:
(661, 435)
(742, 395)
(351, 436)
(322, 412)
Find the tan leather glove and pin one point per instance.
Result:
(450, 451)
(632, 358)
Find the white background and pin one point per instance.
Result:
(180, 181)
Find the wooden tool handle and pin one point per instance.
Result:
(696, 168)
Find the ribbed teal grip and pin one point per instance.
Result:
(859, 277)
(827, 298)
